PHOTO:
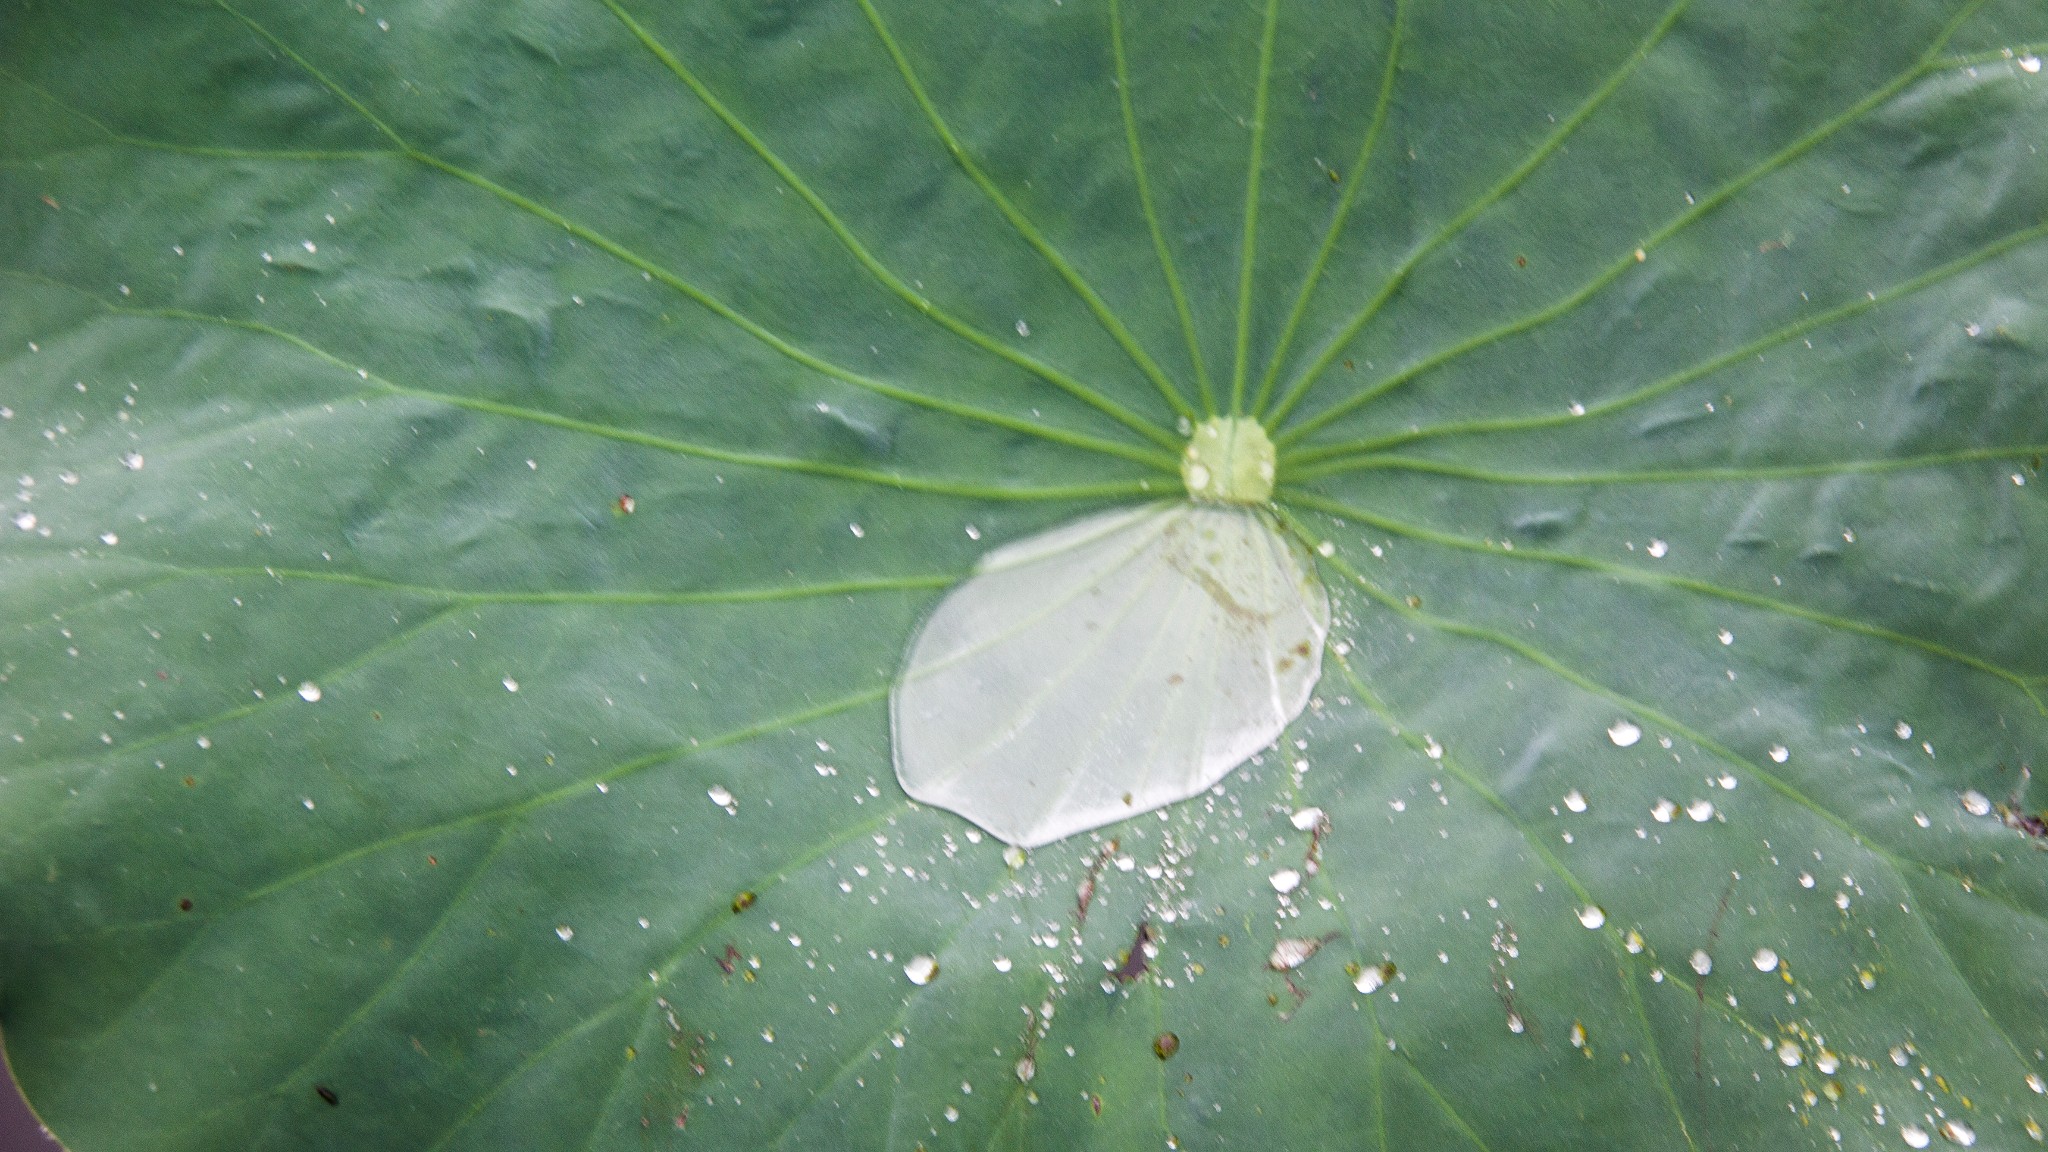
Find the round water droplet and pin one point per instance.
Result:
(2035, 1082)
(1027, 1069)
(309, 691)
(1780, 753)
(565, 932)
(1914, 1136)
(1023, 329)
(1303, 819)
(1725, 636)
(921, 970)
(1789, 1054)
(1013, 856)
(132, 461)
(204, 742)
(1922, 819)
(1701, 811)
(1578, 1034)
(952, 1113)
(1826, 1062)
(1976, 803)
(1292, 953)
(1658, 549)
(1903, 730)
(511, 685)
(109, 539)
(2030, 63)
(1592, 916)
(1624, 733)
(1959, 1133)
(1701, 962)
(1662, 810)
(1765, 960)
(719, 795)
(26, 521)
(1575, 800)
(1806, 879)
(1002, 963)
(1633, 942)
(1431, 748)
(1285, 880)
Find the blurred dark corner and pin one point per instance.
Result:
(19, 1131)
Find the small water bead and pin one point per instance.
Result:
(1958, 1133)
(1291, 953)
(1624, 733)
(511, 685)
(26, 521)
(1658, 549)
(1806, 879)
(1903, 730)
(1633, 942)
(1027, 1070)
(1002, 963)
(109, 539)
(565, 932)
(204, 742)
(1725, 636)
(1727, 782)
(309, 691)
(1701, 811)
(1575, 800)
(1915, 1136)
(2030, 64)
(1431, 748)
(721, 797)
(1023, 329)
(1921, 818)
(1780, 753)
(132, 461)
(1765, 960)
(1976, 803)
(1592, 916)
(921, 970)
(1013, 856)
(1826, 1063)
(1304, 819)
(1789, 1054)
(1285, 880)
(1578, 1034)
(952, 1113)
(1701, 962)
(1662, 810)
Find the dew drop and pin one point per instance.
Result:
(1515, 1023)
(1701, 811)
(1431, 748)
(1701, 962)
(1633, 942)
(921, 970)
(109, 539)
(1914, 1136)
(1002, 963)
(1826, 1062)
(1789, 1054)
(720, 796)
(309, 691)
(132, 461)
(1285, 880)
(1013, 856)
(1780, 753)
(1592, 916)
(565, 932)
(1576, 408)
(1806, 879)
(1725, 636)
(1922, 820)
(1976, 803)
(1658, 549)
(1902, 730)
(1291, 953)
(26, 521)
(1624, 733)
(1661, 811)
(1303, 819)
(1959, 1133)
(1027, 1070)
(952, 1113)
(858, 531)
(1765, 960)
(2030, 64)
(1575, 800)
(511, 685)
(204, 742)
(2035, 1082)
(1023, 329)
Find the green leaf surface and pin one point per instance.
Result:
(1663, 385)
